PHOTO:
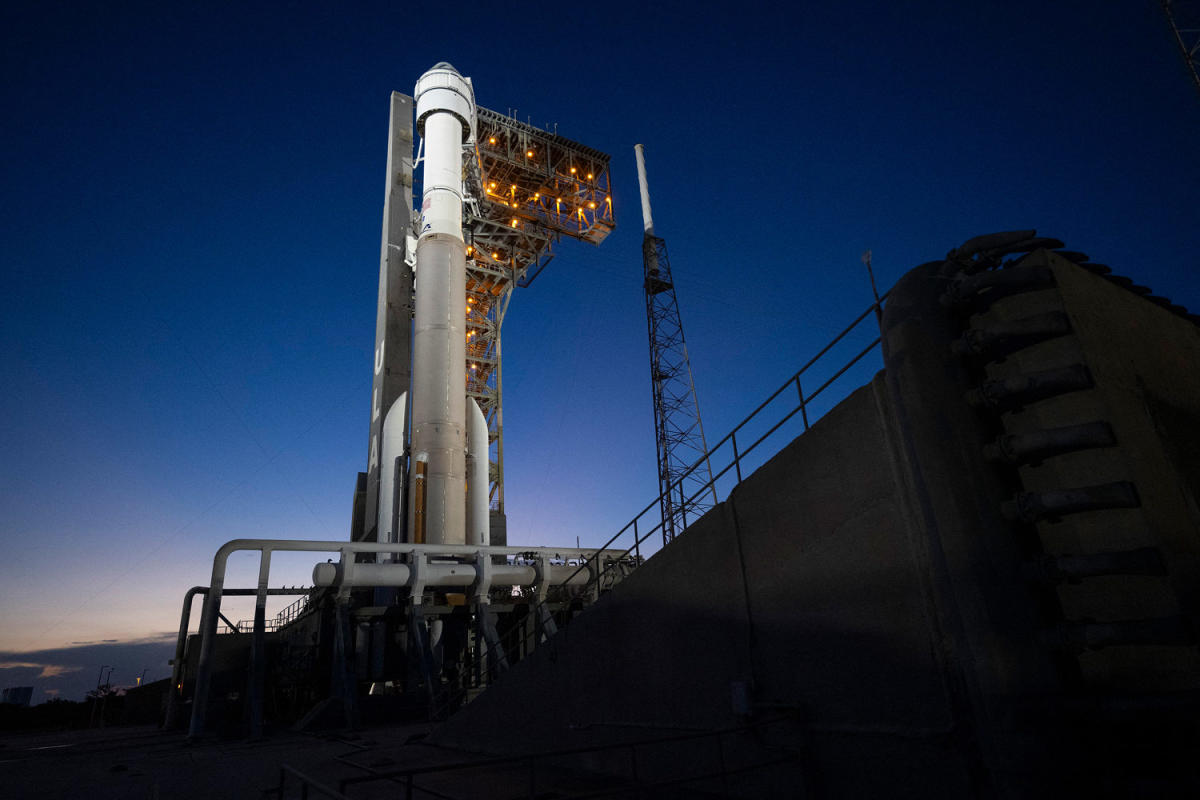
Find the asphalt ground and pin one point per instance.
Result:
(144, 763)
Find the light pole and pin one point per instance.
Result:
(96, 696)
(107, 691)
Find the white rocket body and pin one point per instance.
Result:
(445, 119)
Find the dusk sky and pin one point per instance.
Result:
(191, 207)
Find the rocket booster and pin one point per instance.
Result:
(445, 104)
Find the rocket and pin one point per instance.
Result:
(436, 499)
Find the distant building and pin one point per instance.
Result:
(16, 695)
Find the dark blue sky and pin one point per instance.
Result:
(190, 212)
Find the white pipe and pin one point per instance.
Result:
(349, 573)
(391, 492)
(477, 476)
(348, 551)
(647, 219)
(445, 119)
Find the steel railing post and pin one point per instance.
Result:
(737, 462)
(258, 651)
(633, 771)
(721, 762)
(803, 403)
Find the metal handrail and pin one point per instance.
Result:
(875, 308)
(294, 610)
(532, 760)
(306, 783)
(247, 625)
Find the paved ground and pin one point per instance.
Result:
(144, 763)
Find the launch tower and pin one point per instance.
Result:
(426, 602)
(523, 189)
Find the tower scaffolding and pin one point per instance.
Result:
(526, 189)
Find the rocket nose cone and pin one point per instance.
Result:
(445, 65)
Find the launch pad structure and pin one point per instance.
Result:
(524, 189)
(426, 599)
(530, 188)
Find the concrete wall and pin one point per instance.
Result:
(803, 584)
(867, 584)
(1143, 360)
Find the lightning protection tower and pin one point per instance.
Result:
(684, 475)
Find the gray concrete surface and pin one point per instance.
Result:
(142, 763)
(803, 586)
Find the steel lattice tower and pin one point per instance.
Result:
(1184, 18)
(684, 475)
